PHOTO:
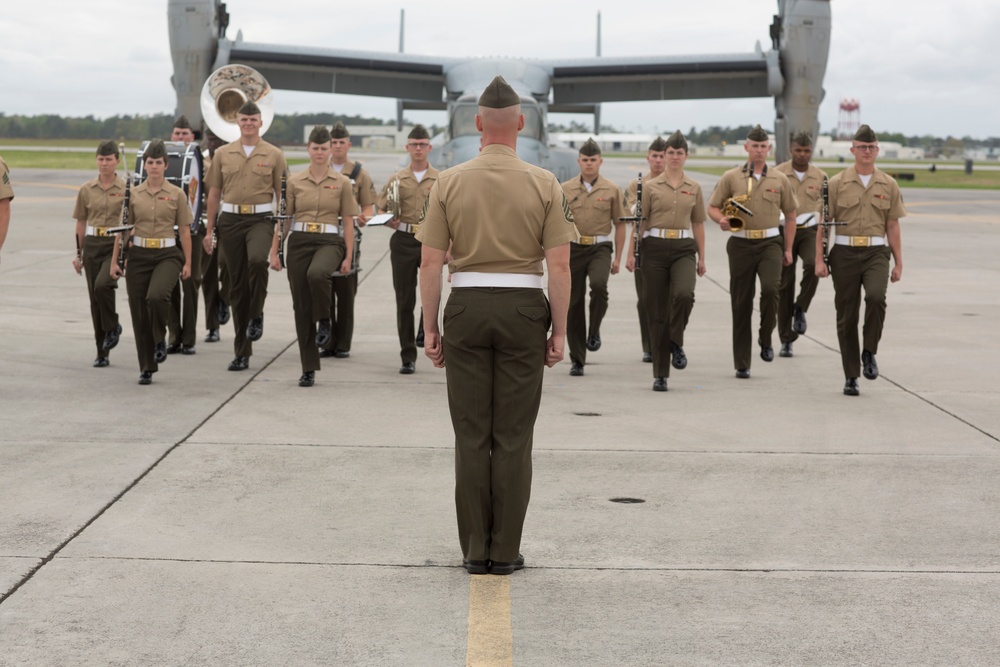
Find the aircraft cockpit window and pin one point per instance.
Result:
(463, 121)
(532, 123)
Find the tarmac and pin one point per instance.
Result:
(234, 518)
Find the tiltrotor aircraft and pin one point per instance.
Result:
(791, 72)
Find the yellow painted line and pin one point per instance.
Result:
(60, 186)
(490, 642)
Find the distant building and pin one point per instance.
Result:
(377, 137)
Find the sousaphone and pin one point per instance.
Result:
(226, 90)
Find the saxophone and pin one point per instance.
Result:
(392, 203)
(736, 205)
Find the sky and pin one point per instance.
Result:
(916, 66)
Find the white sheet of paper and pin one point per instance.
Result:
(379, 219)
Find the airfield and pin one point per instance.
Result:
(221, 518)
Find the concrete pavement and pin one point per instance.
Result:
(220, 518)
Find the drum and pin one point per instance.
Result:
(184, 169)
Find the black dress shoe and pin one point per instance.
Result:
(407, 368)
(786, 350)
(111, 337)
(308, 379)
(223, 313)
(145, 377)
(743, 373)
(239, 364)
(327, 353)
(798, 320)
(647, 358)
(870, 369)
(323, 332)
(576, 369)
(256, 328)
(679, 360)
(187, 349)
(660, 384)
(160, 352)
(500, 567)
(212, 336)
(341, 354)
(851, 387)
(766, 351)
(101, 362)
(173, 348)
(594, 343)
(476, 566)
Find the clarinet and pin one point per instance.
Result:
(280, 219)
(826, 223)
(637, 219)
(124, 221)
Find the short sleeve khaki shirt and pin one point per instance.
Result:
(155, 214)
(499, 213)
(325, 201)
(808, 191)
(595, 212)
(632, 189)
(412, 194)
(362, 186)
(667, 207)
(865, 210)
(6, 191)
(246, 179)
(100, 207)
(769, 197)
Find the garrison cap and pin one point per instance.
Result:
(249, 108)
(802, 139)
(757, 134)
(658, 145)
(155, 150)
(590, 148)
(339, 131)
(499, 95)
(418, 132)
(182, 123)
(677, 141)
(865, 134)
(107, 147)
(319, 135)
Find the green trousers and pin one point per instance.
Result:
(345, 288)
(404, 253)
(101, 286)
(494, 348)
(804, 248)
(640, 307)
(853, 269)
(311, 260)
(587, 264)
(150, 277)
(214, 287)
(245, 241)
(748, 261)
(670, 269)
(183, 325)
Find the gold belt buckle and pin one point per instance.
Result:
(586, 240)
(154, 243)
(755, 233)
(672, 234)
(314, 227)
(861, 241)
(100, 231)
(414, 229)
(245, 209)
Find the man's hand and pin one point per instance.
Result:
(701, 267)
(272, 260)
(77, 265)
(787, 258)
(630, 263)
(345, 266)
(116, 272)
(615, 267)
(724, 224)
(186, 272)
(897, 273)
(821, 270)
(554, 350)
(207, 243)
(434, 348)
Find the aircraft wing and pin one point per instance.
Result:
(379, 74)
(592, 80)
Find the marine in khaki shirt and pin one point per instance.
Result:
(870, 203)
(672, 253)
(415, 183)
(501, 218)
(807, 184)
(597, 209)
(98, 207)
(757, 251)
(6, 196)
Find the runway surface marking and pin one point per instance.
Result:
(59, 186)
(490, 641)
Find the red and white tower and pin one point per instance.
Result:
(849, 119)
